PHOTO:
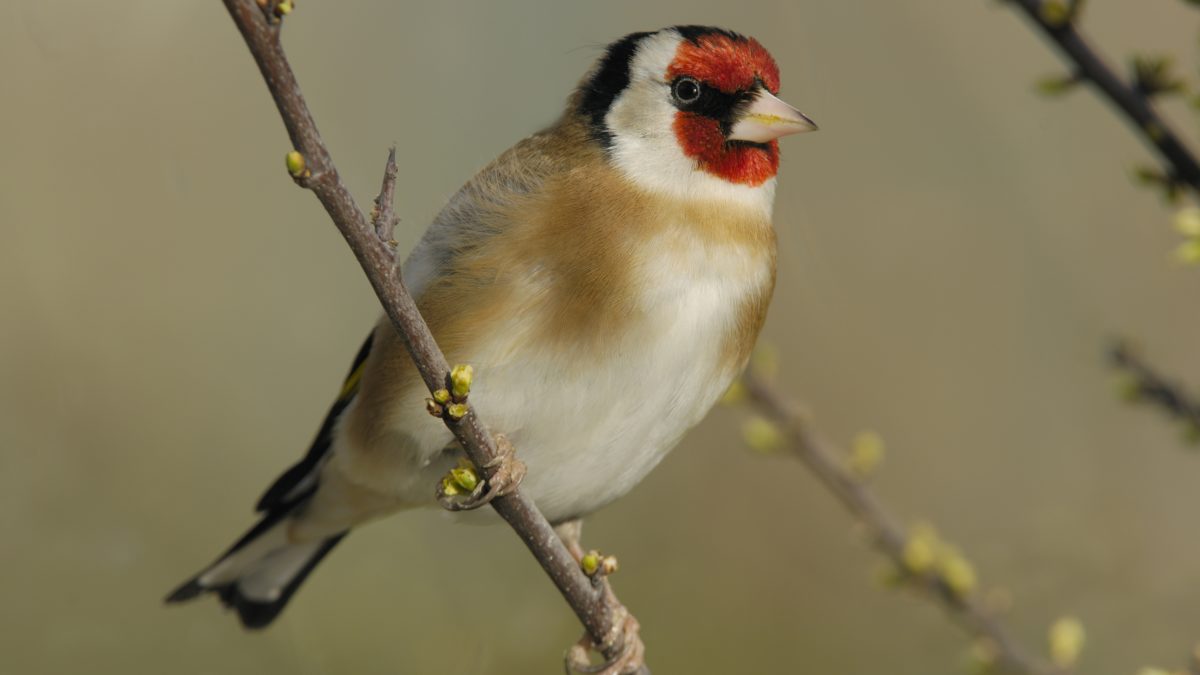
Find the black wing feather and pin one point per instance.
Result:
(277, 495)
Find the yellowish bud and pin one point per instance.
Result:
(956, 571)
(460, 381)
(735, 394)
(1054, 12)
(762, 435)
(1187, 221)
(1128, 387)
(295, 164)
(982, 656)
(1066, 638)
(918, 554)
(449, 487)
(866, 452)
(1053, 85)
(284, 8)
(442, 396)
(465, 478)
(590, 563)
(457, 411)
(1188, 252)
(609, 565)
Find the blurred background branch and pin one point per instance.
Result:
(919, 558)
(1140, 382)
(1057, 21)
(1151, 77)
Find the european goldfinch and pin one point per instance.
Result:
(606, 277)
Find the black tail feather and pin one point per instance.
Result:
(256, 614)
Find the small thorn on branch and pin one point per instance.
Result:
(384, 216)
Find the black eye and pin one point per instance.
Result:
(686, 90)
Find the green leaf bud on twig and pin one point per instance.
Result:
(590, 563)
(464, 477)
(461, 377)
(1127, 387)
(1187, 221)
(982, 656)
(1055, 13)
(956, 571)
(457, 411)
(866, 452)
(296, 164)
(1188, 252)
(919, 551)
(1055, 85)
(1153, 76)
(735, 394)
(762, 435)
(1066, 638)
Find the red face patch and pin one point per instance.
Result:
(702, 139)
(725, 63)
(729, 66)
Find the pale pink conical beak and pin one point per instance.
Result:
(768, 118)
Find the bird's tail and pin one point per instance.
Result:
(260, 572)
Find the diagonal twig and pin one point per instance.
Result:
(889, 537)
(1058, 26)
(600, 616)
(1152, 386)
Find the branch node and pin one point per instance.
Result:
(463, 489)
(383, 216)
(624, 643)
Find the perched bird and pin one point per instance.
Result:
(606, 277)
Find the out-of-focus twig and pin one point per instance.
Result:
(1144, 383)
(829, 465)
(605, 620)
(1056, 20)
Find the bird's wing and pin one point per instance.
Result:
(465, 224)
(484, 206)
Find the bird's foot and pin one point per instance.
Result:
(464, 489)
(625, 652)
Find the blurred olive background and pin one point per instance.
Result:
(175, 317)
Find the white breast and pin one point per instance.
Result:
(590, 429)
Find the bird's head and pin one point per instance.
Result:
(690, 109)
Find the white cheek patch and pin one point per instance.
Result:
(644, 146)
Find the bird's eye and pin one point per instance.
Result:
(686, 90)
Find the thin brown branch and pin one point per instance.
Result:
(601, 619)
(1058, 26)
(828, 464)
(1147, 384)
